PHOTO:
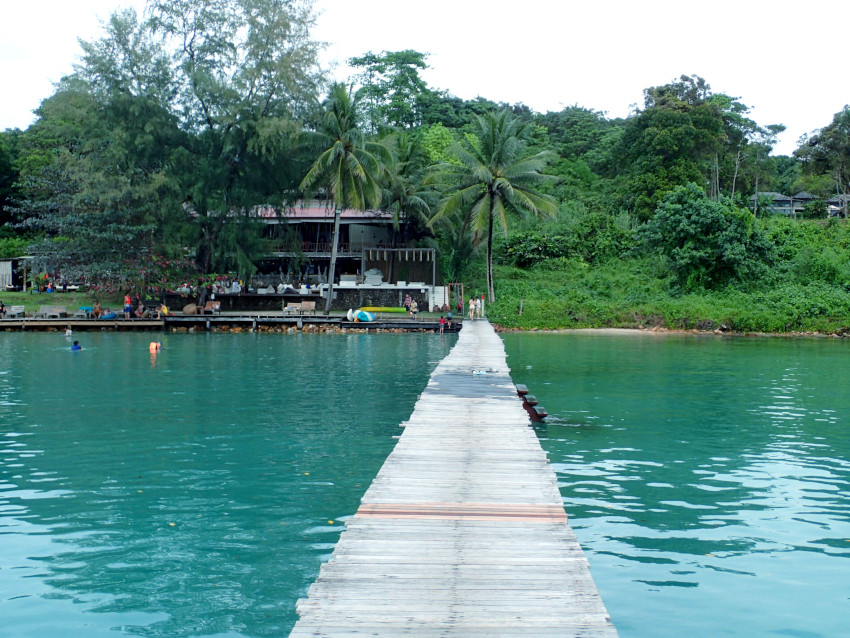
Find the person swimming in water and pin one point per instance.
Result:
(76, 346)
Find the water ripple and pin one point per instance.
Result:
(728, 471)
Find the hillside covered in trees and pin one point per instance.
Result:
(147, 162)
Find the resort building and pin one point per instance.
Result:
(378, 261)
(301, 242)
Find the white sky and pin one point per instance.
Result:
(784, 58)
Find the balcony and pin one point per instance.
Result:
(323, 249)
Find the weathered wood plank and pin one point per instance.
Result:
(463, 531)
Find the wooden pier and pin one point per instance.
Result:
(281, 321)
(463, 532)
(226, 321)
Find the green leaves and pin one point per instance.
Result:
(349, 166)
(391, 87)
(828, 151)
(706, 243)
(239, 60)
(169, 127)
(493, 177)
(680, 137)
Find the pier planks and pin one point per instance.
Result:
(463, 531)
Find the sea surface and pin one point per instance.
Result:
(708, 479)
(194, 492)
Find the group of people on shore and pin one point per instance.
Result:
(132, 308)
(476, 309)
(50, 286)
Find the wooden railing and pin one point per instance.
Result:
(315, 249)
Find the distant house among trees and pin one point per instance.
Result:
(800, 205)
(771, 203)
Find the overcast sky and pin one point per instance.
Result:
(784, 59)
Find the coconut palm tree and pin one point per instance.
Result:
(351, 167)
(493, 176)
(406, 195)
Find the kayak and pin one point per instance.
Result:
(383, 309)
(360, 315)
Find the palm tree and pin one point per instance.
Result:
(405, 194)
(494, 175)
(348, 165)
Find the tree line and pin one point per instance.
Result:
(176, 124)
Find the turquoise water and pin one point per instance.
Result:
(194, 493)
(708, 479)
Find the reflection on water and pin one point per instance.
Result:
(707, 479)
(193, 495)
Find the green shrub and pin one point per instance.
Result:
(13, 247)
(528, 248)
(579, 234)
(707, 244)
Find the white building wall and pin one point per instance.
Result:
(365, 235)
(5, 273)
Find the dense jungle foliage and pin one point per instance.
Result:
(146, 163)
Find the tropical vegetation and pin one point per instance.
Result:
(176, 124)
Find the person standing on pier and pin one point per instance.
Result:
(472, 308)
